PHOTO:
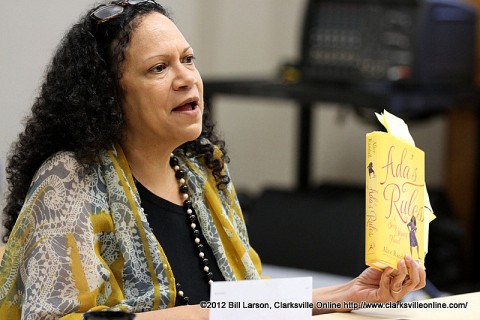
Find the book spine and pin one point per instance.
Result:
(371, 201)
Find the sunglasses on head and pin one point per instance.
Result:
(114, 9)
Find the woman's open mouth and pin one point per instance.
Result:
(186, 107)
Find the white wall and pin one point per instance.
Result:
(231, 38)
(30, 32)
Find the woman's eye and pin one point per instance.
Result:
(158, 68)
(189, 59)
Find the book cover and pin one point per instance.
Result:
(394, 201)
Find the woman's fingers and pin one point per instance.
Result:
(396, 283)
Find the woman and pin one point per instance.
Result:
(412, 232)
(119, 192)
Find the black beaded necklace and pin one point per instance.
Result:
(187, 205)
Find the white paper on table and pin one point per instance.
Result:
(288, 298)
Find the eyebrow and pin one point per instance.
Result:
(166, 55)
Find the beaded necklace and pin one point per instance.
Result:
(180, 175)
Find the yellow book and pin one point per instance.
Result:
(397, 207)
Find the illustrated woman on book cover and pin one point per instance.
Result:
(370, 170)
(412, 227)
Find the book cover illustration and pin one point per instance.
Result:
(398, 210)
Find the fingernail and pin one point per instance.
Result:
(408, 257)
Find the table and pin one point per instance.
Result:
(472, 310)
(406, 102)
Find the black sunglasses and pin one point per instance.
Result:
(114, 9)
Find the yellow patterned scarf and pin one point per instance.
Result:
(82, 241)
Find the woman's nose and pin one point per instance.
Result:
(184, 77)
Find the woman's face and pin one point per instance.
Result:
(163, 90)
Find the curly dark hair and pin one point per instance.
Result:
(78, 108)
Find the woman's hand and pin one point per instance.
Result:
(375, 286)
(390, 285)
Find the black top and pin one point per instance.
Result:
(171, 227)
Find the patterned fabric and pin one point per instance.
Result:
(82, 241)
